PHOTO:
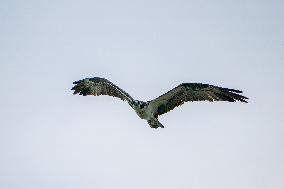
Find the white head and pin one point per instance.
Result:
(139, 104)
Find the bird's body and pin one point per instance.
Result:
(150, 110)
(145, 110)
(142, 109)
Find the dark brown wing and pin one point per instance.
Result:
(99, 86)
(194, 92)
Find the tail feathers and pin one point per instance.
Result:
(154, 123)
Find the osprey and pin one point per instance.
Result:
(150, 110)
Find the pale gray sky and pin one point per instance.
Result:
(52, 139)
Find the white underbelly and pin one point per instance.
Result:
(144, 113)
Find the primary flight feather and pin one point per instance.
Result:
(150, 110)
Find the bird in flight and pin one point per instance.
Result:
(150, 110)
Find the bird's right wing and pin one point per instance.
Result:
(193, 92)
(99, 86)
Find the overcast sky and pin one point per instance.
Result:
(52, 139)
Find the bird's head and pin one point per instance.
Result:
(139, 104)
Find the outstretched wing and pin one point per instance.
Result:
(194, 92)
(99, 86)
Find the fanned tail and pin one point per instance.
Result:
(154, 123)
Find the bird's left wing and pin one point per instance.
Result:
(193, 92)
(99, 86)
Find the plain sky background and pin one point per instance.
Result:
(52, 139)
